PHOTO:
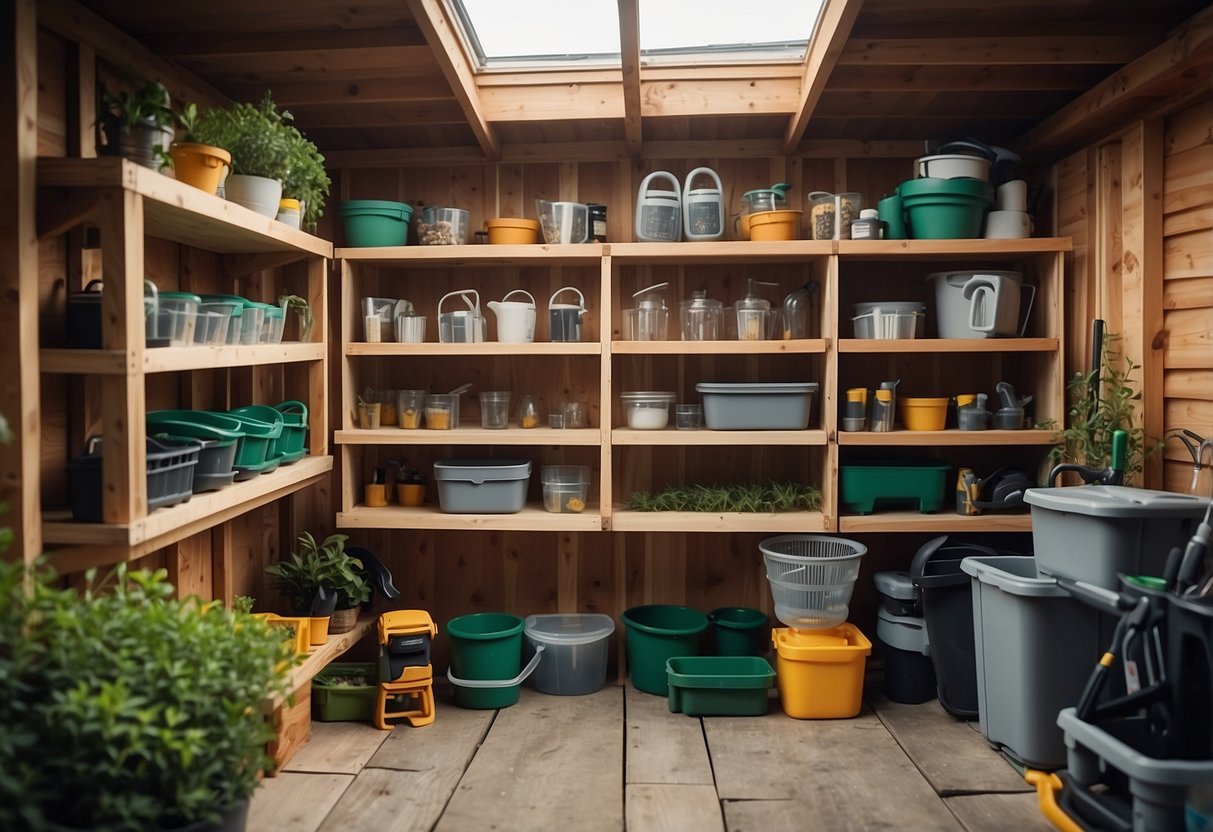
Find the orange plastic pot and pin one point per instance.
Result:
(318, 630)
(512, 231)
(924, 413)
(410, 494)
(766, 226)
(200, 165)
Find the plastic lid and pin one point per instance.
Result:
(757, 387)
(904, 632)
(895, 585)
(288, 203)
(180, 296)
(700, 300)
(569, 628)
(274, 312)
(1012, 575)
(1116, 501)
(869, 214)
(647, 396)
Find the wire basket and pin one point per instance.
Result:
(811, 578)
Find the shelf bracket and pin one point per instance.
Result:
(236, 266)
(60, 210)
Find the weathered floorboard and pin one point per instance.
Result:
(662, 807)
(983, 812)
(295, 801)
(337, 748)
(664, 747)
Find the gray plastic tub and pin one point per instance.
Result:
(482, 486)
(575, 651)
(761, 406)
(1035, 649)
(1158, 788)
(1092, 532)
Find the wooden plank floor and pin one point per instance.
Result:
(617, 759)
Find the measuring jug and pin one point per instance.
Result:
(564, 319)
(463, 326)
(515, 319)
(650, 319)
(700, 317)
(658, 211)
(702, 205)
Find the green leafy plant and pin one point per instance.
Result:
(149, 104)
(188, 121)
(320, 566)
(252, 133)
(306, 179)
(759, 497)
(1086, 438)
(126, 708)
(243, 604)
(304, 310)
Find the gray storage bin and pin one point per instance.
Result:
(761, 406)
(1092, 532)
(574, 651)
(1158, 788)
(1035, 649)
(482, 486)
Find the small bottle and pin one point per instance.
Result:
(598, 222)
(868, 226)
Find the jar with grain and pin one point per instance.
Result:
(831, 215)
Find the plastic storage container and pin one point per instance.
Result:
(272, 325)
(944, 209)
(889, 308)
(831, 215)
(918, 483)
(655, 634)
(252, 321)
(909, 676)
(176, 316)
(512, 231)
(443, 226)
(575, 651)
(563, 222)
(739, 631)
(923, 413)
(1096, 531)
(565, 488)
(170, 477)
(214, 319)
(486, 654)
(1035, 647)
(719, 685)
(820, 673)
(482, 486)
(335, 702)
(760, 406)
(647, 410)
(375, 222)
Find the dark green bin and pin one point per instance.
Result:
(739, 631)
(656, 633)
(719, 685)
(344, 703)
(903, 483)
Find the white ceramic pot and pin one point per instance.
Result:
(257, 193)
(1008, 225)
(954, 166)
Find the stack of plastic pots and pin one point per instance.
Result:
(819, 656)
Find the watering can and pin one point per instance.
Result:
(515, 318)
(564, 319)
(463, 326)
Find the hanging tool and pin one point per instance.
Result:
(1195, 573)
(1196, 445)
(1097, 333)
(1114, 474)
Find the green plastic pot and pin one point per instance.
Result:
(260, 440)
(739, 631)
(265, 415)
(375, 222)
(945, 209)
(655, 634)
(486, 647)
(203, 424)
(345, 703)
(294, 429)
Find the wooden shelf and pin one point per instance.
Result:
(532, 518)
(470, 436)
(946, 437)
(488, 348)
(179, 212)
(476, 256)
(672, 436)
(178, 359)
(912, 521)
(951, 249)
(101, 544)
(725, 252)
(799, 346)
(324, 655)
(702, 521)
(947, 345)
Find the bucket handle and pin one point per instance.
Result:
(580, 297)
(516, 291)
(463, 293)
(1028, 312)
(292, 406)
(500, 683)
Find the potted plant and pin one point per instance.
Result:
(254, 136)
(194, 162)
(136, 124)
(303, 310)
(410, 484)
(306, 179)
(126, 708)
(320, 579)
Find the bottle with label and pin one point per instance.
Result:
(598, 222)
(868, 226)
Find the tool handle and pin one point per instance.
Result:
(1120, 451)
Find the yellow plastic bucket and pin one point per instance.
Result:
(200, 165)
(774, 225)
(924, 413)
(820, 672)
(507, 231)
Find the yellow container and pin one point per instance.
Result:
(774, 225)
(924, 414)
(820, 672)
(514, 231)
(299, 628)
(318, 630)
(410, 494)
(200, 165)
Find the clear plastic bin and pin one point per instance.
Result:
(565, 488)
(254, 320)
(575, 651)
(443, 226)
(647, 410)
(214, 321)
(175, 318)
(272, 325)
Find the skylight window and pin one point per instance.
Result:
(550, 34)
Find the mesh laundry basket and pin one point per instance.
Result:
(811, 578)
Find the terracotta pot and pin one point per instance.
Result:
(342, 621)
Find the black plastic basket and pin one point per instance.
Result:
(170, 476)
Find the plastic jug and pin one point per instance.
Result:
(564, 319)
(700, 317)
(649, 320)
(980, 304)
(702, 206)
(463, 326)
(515, 319)
(658, 211)
(752, 312)
(798, 318)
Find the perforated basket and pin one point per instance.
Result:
(811, 578)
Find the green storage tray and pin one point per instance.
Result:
(719, 685)
(344, 703)
(902, 483)
(294, 430)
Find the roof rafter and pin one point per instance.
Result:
(837, 19)
(629, 56)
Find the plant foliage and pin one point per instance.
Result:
(252, 133)
(124, 708)
(1087, 437)
(321, 565)
(149, 104)
(760, 497)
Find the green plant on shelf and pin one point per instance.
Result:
(320, 566)
(1086, 438)
(252, 133)
(758, 497)
(303, 309)
(243, 604)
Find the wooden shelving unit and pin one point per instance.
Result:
(324, 655)
(532, 518)
(960, 438)
(944, 521)
(696, 521)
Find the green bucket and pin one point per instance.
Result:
(486, 652)
(739, 631)
(658, 632)
(945, 209)
(375, 222)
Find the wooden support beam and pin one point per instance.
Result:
(1026, 50)
(829, 39)
(1185, 58)
(20, 475)
(377, 90)
(393, 114)
(448, 51)
(79, 24)
(82, 100)
(179, 45)
(629, 58)
(236, 266)
(59, 211)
